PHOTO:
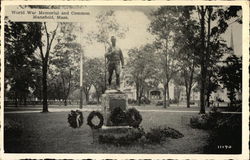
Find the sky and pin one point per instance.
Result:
(134, 18)
(137, 19)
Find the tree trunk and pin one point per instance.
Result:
(164, 96)
(98, 99)
(140, 96)
(202, 64)
(25, 100)
(44, 79)
(210, 10)
(137, 94)
(168, 96)
(202, 92)
(187, 89)
(188, 93)
(87, 97)
(81, 97)
(208, 99)
(16, 100)
(188, 101)
(65, 102)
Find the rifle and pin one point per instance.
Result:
(105, 61)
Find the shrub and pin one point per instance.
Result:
(154, 136)
(159, 103)
(226, 133)
(92, 103)
(206, 121)
(145, 100)
(200, 121)
(159, 134)
(132, 136)
(132, 101)
(172, 133)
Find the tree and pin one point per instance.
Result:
(93, 76)
(163, 25)
(142, 69)
(107, 26)
(20, 63)
(187, 40)
(218, 49)
(65, 62)
(219, 15)
(99, 80)
(44, 48)
(87, 80)
(231, 76)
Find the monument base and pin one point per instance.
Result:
(112, 99)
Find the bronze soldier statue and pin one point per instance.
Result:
(114, 58)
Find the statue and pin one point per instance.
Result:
(114, 58)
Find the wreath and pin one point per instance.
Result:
(134, 117)
(118, 116)
(75, 119)
(90, 118)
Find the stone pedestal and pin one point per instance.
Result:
(110, 100)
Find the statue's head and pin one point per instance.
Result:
(113, 39)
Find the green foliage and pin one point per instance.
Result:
(107, 26)
(155, 136)
(187, 41)
(231, 76)
(21, 65)
(220, 124)
(139, 136)
(227, 133)
(132, 136)
(170, 25)
(206, 121)
(159, 134)
(142, 70)
(93, 73)
(64, 64)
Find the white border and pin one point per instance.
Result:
(245, 91)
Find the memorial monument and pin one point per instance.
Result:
(115, 117)
(114, 100)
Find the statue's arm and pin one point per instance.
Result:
(108, 53)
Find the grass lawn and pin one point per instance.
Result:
(50, 133)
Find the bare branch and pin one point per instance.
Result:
(41, 51)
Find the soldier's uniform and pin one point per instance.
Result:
(114, 57)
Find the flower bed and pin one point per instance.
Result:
(138, 135)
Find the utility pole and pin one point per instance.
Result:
(81, 88)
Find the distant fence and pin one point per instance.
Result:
(50, 102)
